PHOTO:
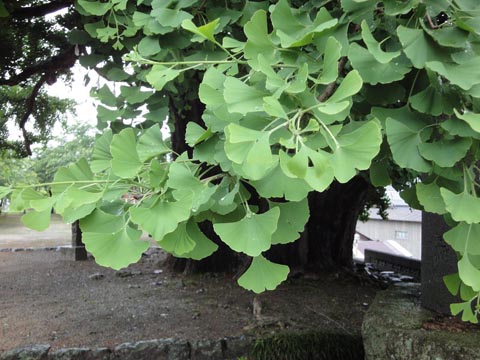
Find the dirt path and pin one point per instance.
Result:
(47, 299)
(13, 234)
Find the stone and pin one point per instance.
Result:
(96, 276)
(80, 354)
(33, 352)
(392, 329)
(162, 349)
(128, 273)
(207, 349)
(236, 347)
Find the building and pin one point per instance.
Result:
(400, 234)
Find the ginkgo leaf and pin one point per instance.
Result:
(101, 157)
(430, 197)
(77, 174)
(445, 153)
(204, 247)
(466, 309)
(242, 98)
(463, 238)
(151, 144)
(178, 242)
(374, 46)
(292, 220)
(263, 275)
(101, 222)
(279, 185)
(125, 160)
(252, 235)
(470, 118)
(116, 250)
(163, 217)
(356, 150)
(469, 274)
(205, 31)
(37, 220)
(462, 207)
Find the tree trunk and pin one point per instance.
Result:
(327, 240)
(328, 237)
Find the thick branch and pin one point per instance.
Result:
(40, 10)
(63, 61)
(331, 87)
(30, 105)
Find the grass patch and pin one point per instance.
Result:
(308, 346)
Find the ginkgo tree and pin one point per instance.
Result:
(273, 104)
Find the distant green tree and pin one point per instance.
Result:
(76, 142)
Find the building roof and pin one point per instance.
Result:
(398, 213)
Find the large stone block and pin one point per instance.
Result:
(392, 329)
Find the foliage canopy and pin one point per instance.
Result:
(296, 95)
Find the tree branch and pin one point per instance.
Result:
(63, 61)
(30, 105)
(331, 87)
(40, 10)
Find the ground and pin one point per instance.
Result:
(48, 298)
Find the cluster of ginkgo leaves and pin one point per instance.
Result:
(297, 95)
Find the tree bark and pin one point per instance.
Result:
(327, 241)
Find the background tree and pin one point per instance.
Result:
(282, 105)
(35, 52)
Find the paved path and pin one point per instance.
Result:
(13, 234)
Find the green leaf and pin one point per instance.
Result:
(465, 75)
(250, 149)
(125, 160)
(170, 17)
(404, 140)
(5, 191)
(163, 217)
(430, 197)
(349, 86)
(149, 46)
(204, 247)
(205, 31)
(101, 222)
(242, 98)
(463, 238)
(263, 275)
(134, 94)
(151, 144)
(160, 75)
(77, 174)
(116, 250)
(470, 118)
(195, 134)
(178, 242)
(462, 207)
(466, 308)
(445, 153)
(469, 274)
(273, 107)
(330, 61)
(452, 282)
(101, 158)
(252, 235)
(96, 8)
(373, 71)
(279, 185)
(374, 47)
(37, 220)
(258, 39)
(104, 114)
(3, 10)
(419, 47)
(430, 101)
(321, 174)
(356, 150)
(292, 220)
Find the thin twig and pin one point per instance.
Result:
(331, 87)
